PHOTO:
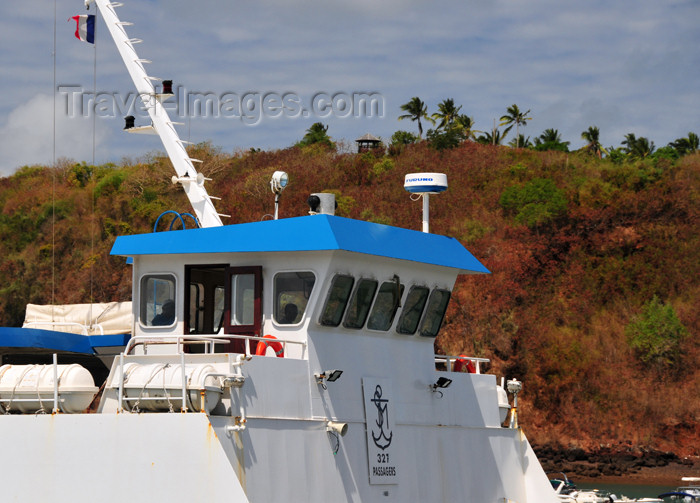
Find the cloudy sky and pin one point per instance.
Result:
(270, 68)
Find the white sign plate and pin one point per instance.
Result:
(381, 438)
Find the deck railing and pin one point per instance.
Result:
(208, 341)
(449, 362)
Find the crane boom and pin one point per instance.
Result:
(192, 182)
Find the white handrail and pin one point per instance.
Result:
(183, 340)
(449, 361)
(55, 384)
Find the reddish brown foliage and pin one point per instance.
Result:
(552, 312)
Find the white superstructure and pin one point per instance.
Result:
(288, 360)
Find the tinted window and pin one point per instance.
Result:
(157, 300)
(412, 310)
(435, 312)
(358, 309)
(292, 292)
(336, 301)
(385, 306)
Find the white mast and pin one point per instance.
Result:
(162, 125)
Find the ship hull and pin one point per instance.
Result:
(192, 457)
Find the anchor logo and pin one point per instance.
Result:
(383, 439)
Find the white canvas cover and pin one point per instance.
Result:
(86, 319)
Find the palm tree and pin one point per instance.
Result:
(521, 141)
(638, 147)
(687, 145)
(514, 116)
(592, 136)
(467, 124)
(550, 139)
(495, 137)
(549, 135)
(317, 133)
(416, 110)
(447, 113)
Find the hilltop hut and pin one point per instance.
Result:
(367, 142)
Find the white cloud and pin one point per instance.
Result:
(625, 66)
(26, 138)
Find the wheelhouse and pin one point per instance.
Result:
(294, 279)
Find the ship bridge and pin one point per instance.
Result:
(292, 278)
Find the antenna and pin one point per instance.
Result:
(425, 184)
(161, 124)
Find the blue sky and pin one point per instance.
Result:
(628, 66)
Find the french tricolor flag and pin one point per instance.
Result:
(86, 27)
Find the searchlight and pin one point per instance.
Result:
(279, 182)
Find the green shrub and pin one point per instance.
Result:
(381, 167)
(536, 203)
(403, 138)
(656, 334)
(80, 174)
(442, 139)
(109, 184)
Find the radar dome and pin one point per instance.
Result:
(421, 183)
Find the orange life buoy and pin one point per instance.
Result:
(462, 363)
(277, 347)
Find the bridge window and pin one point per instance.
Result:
(360, 303)
(337, 299)
(242, 299)
(292, 292)
(412, 310)
(157, 298)
(434, 313)
(385, 306)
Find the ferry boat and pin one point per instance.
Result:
(288, 360)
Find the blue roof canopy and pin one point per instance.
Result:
(308, 233)
(15, 337)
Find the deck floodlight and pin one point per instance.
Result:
(442, 382)
(333, 375)
(327, 376)
(279, 181)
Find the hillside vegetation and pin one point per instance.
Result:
(593, 294)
